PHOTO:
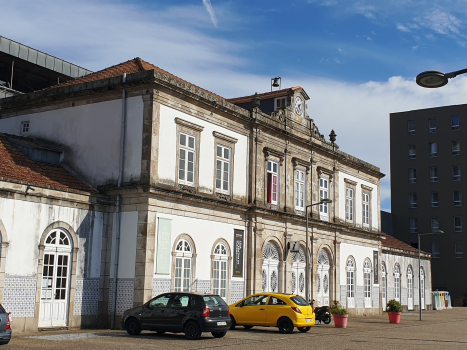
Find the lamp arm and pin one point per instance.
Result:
(455, 74)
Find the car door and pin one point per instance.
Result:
(276, 309)
(154, 313)
(253, 310)
(180, 307)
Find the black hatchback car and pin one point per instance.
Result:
(176, 312)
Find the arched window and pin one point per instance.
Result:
(183, 266)
(298, 272)
(397, 282)
(410, 288)
(384, 285)
(270, 274)
(367, 283)
(422, 283)
(220, 270)
(350, 268)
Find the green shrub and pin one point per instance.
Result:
(337, 309)
(393, 306)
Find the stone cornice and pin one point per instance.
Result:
(269, 151)
(224, 137)
(350, 182)
(297, 161)
(367, 188)
(189, 125)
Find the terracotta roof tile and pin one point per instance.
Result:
(15, 166)
(132, 66)
(392, 242)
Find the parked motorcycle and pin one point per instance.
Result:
(322, 313)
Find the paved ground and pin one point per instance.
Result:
(445, 329)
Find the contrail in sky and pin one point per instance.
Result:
(207, 4)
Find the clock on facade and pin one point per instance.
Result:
(299, 106)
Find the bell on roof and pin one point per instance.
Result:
(276, 82)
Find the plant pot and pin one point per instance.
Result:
(394, 317)
(340, 321)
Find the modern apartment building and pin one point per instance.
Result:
(427, 159)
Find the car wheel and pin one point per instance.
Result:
(133, 327)
(303, 329)
(248, 327)
(234, 323)
(285, 325)
(218, 334)
(192, 330)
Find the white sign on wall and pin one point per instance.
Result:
(164, 233)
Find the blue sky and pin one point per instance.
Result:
(356, 59)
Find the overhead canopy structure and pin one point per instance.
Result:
(24, 69)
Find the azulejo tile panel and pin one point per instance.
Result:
(237, 291)
(203, 286)
(125, 292)
(19, 296)
(375, 296)
(160, 285)
(86, 296)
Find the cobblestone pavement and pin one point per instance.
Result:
(444, 329)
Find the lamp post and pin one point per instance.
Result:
(420, 268)
(435, 79)
(307, 260)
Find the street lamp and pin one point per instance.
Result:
(420, 268)
(436, 79)
(322, 201)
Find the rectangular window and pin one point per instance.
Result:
(434, 199)
(412, 176)
(434, 224)
(458, 224)
(349, 193)
(433, 149)
(433, 174)
(299, 189)
(223, 156)
(456, 172)
(457, 198)
(413, 225)
(280, 103)
(24, 128)
(454, 122)
(411, 127)
(432, 125)
(323, 193)
(456, 147)
(186, 165)
(459, 250)
(273, 171)
(435, 250)
(366, 209)
(412, 152)
(412, 200)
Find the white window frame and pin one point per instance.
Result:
(454, 124)
(411, 127)
(410, 288)
(280, 103)
(220, 268)
(456, 172)
(349, 204)
(459, 250)
(412, 151)
(350, 268)
(183, 273)
(413, 225)
(24, 128)
(432, 125)
(366, 208)
(223, 177)
(412, 176)
(300, 189)
(457, 196)
(456, 147)
(433, 146)
(434, 221)
(272, 188)
(434, 201)
(433, 174)
(435, 250)
(384, 285)
(367, 284)
(187, 150)
(412, 200)
(324, 184)
(458, 224)
(397, 283)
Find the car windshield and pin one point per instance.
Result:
(213, 300)
(299, 300)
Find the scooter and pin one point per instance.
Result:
(322, 313)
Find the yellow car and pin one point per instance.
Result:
(284, 311)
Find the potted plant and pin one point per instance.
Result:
(394, 309)
(339, 314)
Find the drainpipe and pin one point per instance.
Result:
(119, 199)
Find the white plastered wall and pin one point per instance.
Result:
(359, 253)
(127, 251)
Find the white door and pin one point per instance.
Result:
(350, 269)
(53, 310)
(298, 273)
(383, 286)
(323, 278)
(422, 277)
(270, 273)
(409, 288)
(367, 284)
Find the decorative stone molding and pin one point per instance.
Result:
(272, 152)
(350, 182)
(224, 197)
(297, 161)
(224, 137)
(325, 171)
(188, 189)
(368, 188)
(189, 125)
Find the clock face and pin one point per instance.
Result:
(299, 106)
